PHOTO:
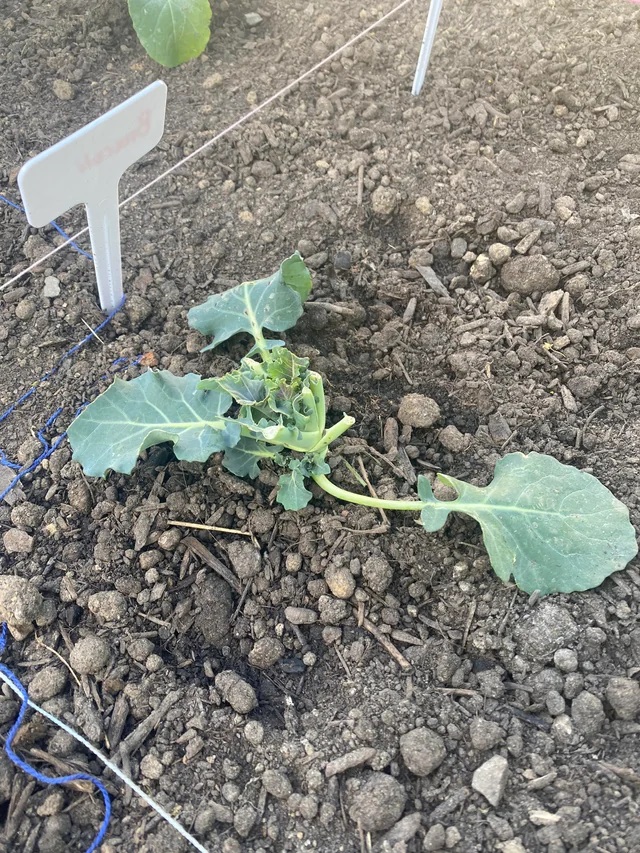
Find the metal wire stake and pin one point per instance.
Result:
(427, 44)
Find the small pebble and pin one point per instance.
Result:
(623, 694)
(566, 660)
(151, 767)
(20, 605)
(340, 581)
(18, 542)
(254, 732)
(384, 201)
(490, 779)
(485, 734)
(499, 254)
(587, 713)
(300, 615)
(377, 573)
(451, 438)
(51, 287)
(245, 559)
(47, 683)
(435, 839)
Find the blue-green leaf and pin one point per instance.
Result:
(241, 384)
(292, 493)
(550, 526)
(171, 31)
(131, 416)
(244, 459)
(273, 303)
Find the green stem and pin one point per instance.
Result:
(365, 500)
(334, 432)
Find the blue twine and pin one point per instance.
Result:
(53, 223)
(31, 771)
(121, 363)
(56, 368)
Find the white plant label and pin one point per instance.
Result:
(85, 168)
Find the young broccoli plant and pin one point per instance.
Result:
(552, 527)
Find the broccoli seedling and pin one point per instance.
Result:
(550, 526)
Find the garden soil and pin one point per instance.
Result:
(335, 680)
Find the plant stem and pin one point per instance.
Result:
(334, 432)
(365, 500)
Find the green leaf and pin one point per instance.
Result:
(171, 31)
(273, 303)
(292, 493)
(551, 526)
(241, 384)
(244, 459)
(131, 416)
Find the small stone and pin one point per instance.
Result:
(451, 438)
(424, 206)
(277, 784)
(212, 80)
(355, 758)
(263, 169)
(332, 610)
(245, 559)
(216, 607)
(265, 652)
(151, 767)
(244, 819)
(404, 830)
(252, 19)
(153, 663)
(109, 606)
(384, 201)
(527, 274)
(419, 411)
(490, 779)
(379, 803)
(300, 615)
(170, 539)
(340, 581)
(254, 732)
(138, 309)
(236, 691)
(79, 496)
(361, 138)
(17, 541)
(377, 573)
(210, 815)
(499, 254)
(458, 248)
(422, 750)
(547, 629)
(139, 649)
(516, 204)
(26, 514)
(435, 839)
(482, 270)
(25, 309)
(47, 683)
(89, 655)
(562, 729)
(342, 261)
(623, 694)
(577, 285)
(51, 287)
(583, 386)
(452, 837)
(587, 713)
(63, 90)
(566, 660)
(20, 605)
(485, 734)
(51, 805)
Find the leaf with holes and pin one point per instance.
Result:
(273, 303)
(171, 31)
(156, 407)
(550, 526)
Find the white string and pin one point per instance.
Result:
(113, 767)
(218, 136)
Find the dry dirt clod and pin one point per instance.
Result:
(277, 784)
(587, 713)
(416, 410)
(20, 605)
(18, 541)
(236, 691)
(90, 655)
(245, 559)
(528, 274)
(422, 750)
(623, 694)
(266, 652)
(379, 803)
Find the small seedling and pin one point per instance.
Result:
(550, 526)
(171, 31)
